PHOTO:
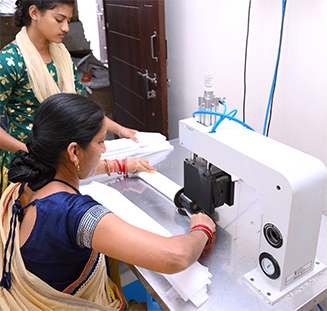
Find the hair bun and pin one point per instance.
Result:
(27, 167)
(19, 3)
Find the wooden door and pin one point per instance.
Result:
(136, 44)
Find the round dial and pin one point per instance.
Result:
(268, 266)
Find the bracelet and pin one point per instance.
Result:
(124, 165)
(120, 167)
(107, 167)
(207, 231)
(114, 168)
(120, 131)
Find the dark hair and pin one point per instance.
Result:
(60, 120)
(22, 16)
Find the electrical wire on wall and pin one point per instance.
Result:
(245, 59)
(273, 86)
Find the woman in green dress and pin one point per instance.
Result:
(33, 67)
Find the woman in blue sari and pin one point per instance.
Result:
(58, 236)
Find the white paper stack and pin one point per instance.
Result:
(190, 284)
(149, 143)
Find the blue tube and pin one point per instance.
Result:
(223, 115)
(225, 106)
(319, 306)
(221, 119)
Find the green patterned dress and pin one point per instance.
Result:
(18, 100)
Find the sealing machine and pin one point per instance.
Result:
(290, 184)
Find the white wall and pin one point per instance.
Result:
(87, 11)
(209, 35)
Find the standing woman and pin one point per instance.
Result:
(33, 67)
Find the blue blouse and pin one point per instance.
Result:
(59, 245)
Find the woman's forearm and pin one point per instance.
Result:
(112, 126)
(124, 166)
(9, 143)
(121, 131)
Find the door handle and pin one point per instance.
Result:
(146, 79)
(152, 47)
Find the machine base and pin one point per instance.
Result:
(273, 295)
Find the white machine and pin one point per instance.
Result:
(291, 186)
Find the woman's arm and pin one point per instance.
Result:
(118, 239)
(9, 143)
(121, 131)
(133, 165)
(12, 70)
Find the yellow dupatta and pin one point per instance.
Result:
(29, 293)
(41, 80)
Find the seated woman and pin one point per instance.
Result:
(53, 238)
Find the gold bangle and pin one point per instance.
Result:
(106, 164)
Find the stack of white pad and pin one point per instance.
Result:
(149, 143)
(190, 284)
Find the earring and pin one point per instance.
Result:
(35, 18)
(77, 165)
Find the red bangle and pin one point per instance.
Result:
(120, 168)
(124, 165)
(207, 231)
(106, 164)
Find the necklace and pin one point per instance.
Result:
(66, 183)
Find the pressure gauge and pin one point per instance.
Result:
(269, 266)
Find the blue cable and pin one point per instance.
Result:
(221, 119)
(319, 306)
(225, 106)
(274, 79)
(223, 115)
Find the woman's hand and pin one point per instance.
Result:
(10, 143)
(203, 219)
(121, 131)
(125, 132)
(137, 164)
